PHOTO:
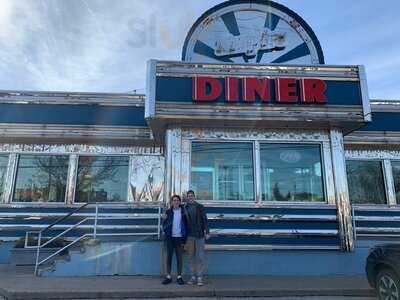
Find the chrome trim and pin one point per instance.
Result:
(254, 134)
(41, 132)
(372, 154)
(272, 232)
(151, 89)
(84, 149)
(389, 182)
(186, 167)
(78, 204)
(257, 172)
(71, 98)
(211, 247)
(168, 166)
(176, 166)
(235, 117)
(66, 226)
(10, 178)
(269, 217)
(377, 230)
(368, 139)
(327, 169)
(378, 219)
(35, 216)
(342, 195)
(177, 67)
(365, 94)
(376, 207)
(71, 178)
(385, 105)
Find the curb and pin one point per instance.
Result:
(47, 295)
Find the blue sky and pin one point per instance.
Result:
(103, 46)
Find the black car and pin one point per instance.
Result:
(383, 271)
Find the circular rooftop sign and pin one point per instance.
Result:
(252, 31)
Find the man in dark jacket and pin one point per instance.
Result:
(197, 233)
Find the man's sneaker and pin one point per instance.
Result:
(192, 280)
(167, 280)
(200, 281)
(180, 281)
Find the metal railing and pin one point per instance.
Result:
(94, 233)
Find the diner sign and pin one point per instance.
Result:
(235, 94)
(262, 90)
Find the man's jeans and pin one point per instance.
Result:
(196, 255)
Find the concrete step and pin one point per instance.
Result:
(12, 270)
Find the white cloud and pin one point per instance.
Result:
(102, 45)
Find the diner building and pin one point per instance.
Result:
(298, 168)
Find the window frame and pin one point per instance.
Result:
(257, 177)
(79, 155)
(242, 202)
(384, 177)
(323, 174)
(15, 175)
(4, 191)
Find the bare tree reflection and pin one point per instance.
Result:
(95, 172)
(41, 178)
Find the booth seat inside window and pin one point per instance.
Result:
(291, 172)
(366, 182)
(102, 179)
(41, 178)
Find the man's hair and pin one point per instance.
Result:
(190, 192)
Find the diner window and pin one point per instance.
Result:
(41, 178)
(291, 172)
(102, 179)
(3, 173)
(396, 179)
(222, 171)
(365, 181)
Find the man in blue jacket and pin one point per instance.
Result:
(197, 233)
(175, 230)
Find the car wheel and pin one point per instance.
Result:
(388, 285)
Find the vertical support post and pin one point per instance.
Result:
(131, 190)
(95, 221)
(159, 222)
(10, 177)
(389, 182)
(173, 163)
(26, 239)
(342, 194)
(328, 173)
(71, 179)
(39, 243)
(257, 172)
(353, 216)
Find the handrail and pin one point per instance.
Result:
(53, 224)
(94, 234)
(65, 217)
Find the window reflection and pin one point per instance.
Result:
(396, 179)
(291, 172)
(102, 179)
(41, 178)
(222, 171)
(3, 173)
(365, 181)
